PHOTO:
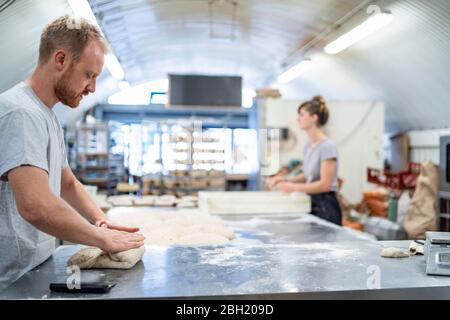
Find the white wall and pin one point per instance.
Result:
(20, 30)
(424, 144)
(356, 127)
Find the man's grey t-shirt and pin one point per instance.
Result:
(30, 134)
(313, 157)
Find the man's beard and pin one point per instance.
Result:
(63, 91)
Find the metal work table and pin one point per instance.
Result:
(288, 257)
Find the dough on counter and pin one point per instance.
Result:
(163, 236)
(415, 248)
(186, 204)
(95, 258)
(165, 201)
(185, 227)
(121, 200)
(189, 198)
(145, 201)
(394, 253)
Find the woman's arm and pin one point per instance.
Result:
(272, 182)
(327, 173)
(298, 178)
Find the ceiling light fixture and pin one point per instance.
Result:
(375, 22)
(294, 71)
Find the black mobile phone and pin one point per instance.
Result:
(92, 287)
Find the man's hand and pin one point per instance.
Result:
(118, 241)
(111, 225)
(119, 238)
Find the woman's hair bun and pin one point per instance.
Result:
(319, 99)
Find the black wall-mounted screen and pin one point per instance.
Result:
(206, 91)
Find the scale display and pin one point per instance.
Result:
(444, 257)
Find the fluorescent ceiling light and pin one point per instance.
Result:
(82, 9)
(374, 23)
(293, 72)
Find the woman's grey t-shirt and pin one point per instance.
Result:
(313, 157)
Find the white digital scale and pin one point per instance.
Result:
(437, 253)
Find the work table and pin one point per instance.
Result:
(279, 256)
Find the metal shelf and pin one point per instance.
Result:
(93, 157)
(192, 177)
(189, 133)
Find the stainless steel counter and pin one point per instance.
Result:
(273, 257)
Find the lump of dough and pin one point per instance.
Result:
(215, 229)
(186, 204)
(189, 198)
(144, 201)
(121, 200)
(163, 236)
(94, 258)
(165, 201)
(180, 228)
(85, 258)
(415, 248)
(394, 253)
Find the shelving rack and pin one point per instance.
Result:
(192, 159)
(95, 164)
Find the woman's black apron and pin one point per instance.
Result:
(326, 206)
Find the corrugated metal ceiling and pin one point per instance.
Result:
(405, 65)
(153, 38)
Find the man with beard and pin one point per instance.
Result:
(39, 196)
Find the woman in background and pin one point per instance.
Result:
(319, 177)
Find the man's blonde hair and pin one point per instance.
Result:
(69, 33)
